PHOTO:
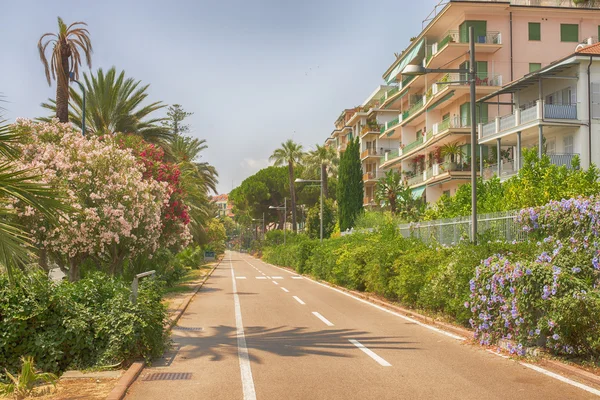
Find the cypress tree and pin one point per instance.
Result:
(350, 186)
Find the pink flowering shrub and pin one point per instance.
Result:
(553, 300)
(117, 214)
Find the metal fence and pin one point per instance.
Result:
(494, 226)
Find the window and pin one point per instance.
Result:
(534, 67)
(446, 193)
(479, 29)
(568, 143)
(535, 31)
(569, 33)
(550, 147)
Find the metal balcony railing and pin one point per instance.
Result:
(559, 111)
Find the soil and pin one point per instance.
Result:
(76, 389)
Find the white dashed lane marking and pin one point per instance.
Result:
(322, 318)
(298, 300)
(285, 290)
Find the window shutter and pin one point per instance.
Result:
(535, 31)
(569, 33)
(534, 67)
(596, 100)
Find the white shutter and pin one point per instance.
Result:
(595, 100)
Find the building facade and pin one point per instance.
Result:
(224, 207)
(424, 121)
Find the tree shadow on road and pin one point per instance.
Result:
(220, 342)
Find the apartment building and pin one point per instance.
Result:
(430, 114)
(556, 111)
(224, 207)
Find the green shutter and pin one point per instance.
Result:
(446, 117)
(465, 114)
(535, 31)
(482, 113)
(534, 67)
(480, 30)
(482, 69)
(569, 33)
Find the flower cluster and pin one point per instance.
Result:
(552, 300)
(116, 213)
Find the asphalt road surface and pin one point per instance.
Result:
(255, 331)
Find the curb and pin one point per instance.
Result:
(467, 334)
(119, 391)
(130, 376)
(181, 309)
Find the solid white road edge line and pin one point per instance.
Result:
(285, 290)
(370, 353)
(298, 300)
(534, 367)
(322, 318)
(297, 277)
(245, 369)
(561, 378)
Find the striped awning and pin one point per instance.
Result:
(418, 192)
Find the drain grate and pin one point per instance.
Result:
(169, 376)
(188, 328)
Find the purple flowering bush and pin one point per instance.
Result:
(552, 300)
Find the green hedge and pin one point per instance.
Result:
(400, 269)
(88, 323)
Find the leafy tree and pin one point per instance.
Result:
(67, 48)
(268, 187)
(289, 153)
(175, 116)
(324, 159)
(114, 104)
(313, 222)
(350, 186)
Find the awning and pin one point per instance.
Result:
(418, 192)
(405, 60)
(440, 101)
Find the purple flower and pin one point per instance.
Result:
(556, 336)
(576, 270)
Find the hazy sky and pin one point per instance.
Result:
(254, 73)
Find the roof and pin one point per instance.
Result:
(593, 49)
(220, 197)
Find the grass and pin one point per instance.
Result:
(186, 283)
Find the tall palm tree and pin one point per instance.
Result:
(289, 153)
(323, 158)
(20, 185)
(389, 188)
(67, 48)
(115, 104)
(197, 179)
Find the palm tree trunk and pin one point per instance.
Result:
(293, 196)
(62, 92)
(324, 183)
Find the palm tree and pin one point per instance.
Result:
(68, 45)
(289, 153)
(323, 158)
(197, 179)
(114, 104)
(389, 188)
(22, 186)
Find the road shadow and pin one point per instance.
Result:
(220, 342)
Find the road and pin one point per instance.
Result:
(255, 331)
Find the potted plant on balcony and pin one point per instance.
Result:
(453, 151)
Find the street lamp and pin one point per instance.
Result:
(72, 76)
(284, 208)
(320, 182)
(420, 70)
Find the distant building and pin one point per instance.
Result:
(222, 202)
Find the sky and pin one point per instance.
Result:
(254, 73)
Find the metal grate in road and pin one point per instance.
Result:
(188, 328)
(169, 376)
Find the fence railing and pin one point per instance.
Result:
(496, 226)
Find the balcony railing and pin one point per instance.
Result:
(371, 175)
(368, 201)
(415, 180)
(368, 152)
(482, 79)
(390, 155)
(454, 36)
(537, 112)
(390, 124)
(415, 108)
(412, 146)
(509, 168)
(450, 123)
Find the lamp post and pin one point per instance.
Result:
(284, 208)
(72, 76)
(320, 182)
(420, 70)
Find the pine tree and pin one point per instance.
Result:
(350, 186)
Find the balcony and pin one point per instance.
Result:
(389, 155)
(370, 129)
(483, 79)
(369, 153)
(391, 124)
(508, 168)
(452, 45)
(342, 146)
(368, 201)
(533, 114)
(411, 146)
(372, 176)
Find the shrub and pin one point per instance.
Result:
(79, 325)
